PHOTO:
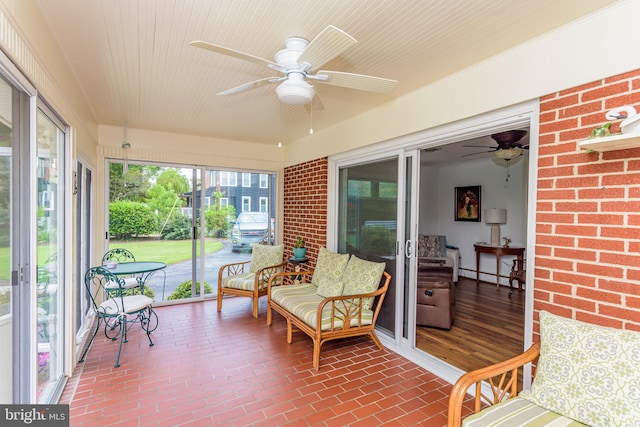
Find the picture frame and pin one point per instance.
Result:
(468, 203)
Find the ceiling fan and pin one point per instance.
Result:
(298, 63)
(509, 145)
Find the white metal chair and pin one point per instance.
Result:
(118, 311)
(121, 255)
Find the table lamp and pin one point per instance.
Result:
(495, 217)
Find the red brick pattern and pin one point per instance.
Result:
(228, 369)
(588, 209)
(305, 206)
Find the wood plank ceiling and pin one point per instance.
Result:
(133, 60)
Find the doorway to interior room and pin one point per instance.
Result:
(424, 198)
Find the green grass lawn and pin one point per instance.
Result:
(167, 251)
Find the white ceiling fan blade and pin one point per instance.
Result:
(315, 104)
(247, 86)
(232, 52)
(330, 43)
(358, 81)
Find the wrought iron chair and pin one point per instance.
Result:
(121, 255)
(118, 311)
(250, 278)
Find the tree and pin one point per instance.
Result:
(217, 217)
(132, 183)
(164, 196)
(173, 180)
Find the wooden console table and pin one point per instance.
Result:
(497, 251)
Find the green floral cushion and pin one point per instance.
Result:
(362, 277)
(587, 372)
(264, 256)
(327, 275)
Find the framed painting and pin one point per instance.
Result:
(467, 203)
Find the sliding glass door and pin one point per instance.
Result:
(33, 203)
(9, 247)
(190, 219)
(368, 222)
(50, 255)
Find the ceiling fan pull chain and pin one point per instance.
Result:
(311, 123)
(506, 182)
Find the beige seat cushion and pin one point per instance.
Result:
(302, 301)
(241, 281)
(518, 412)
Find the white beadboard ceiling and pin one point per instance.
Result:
(133, 60)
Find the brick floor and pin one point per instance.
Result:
(229, 369)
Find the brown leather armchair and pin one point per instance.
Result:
(435, 301)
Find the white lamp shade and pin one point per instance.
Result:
(495, 216)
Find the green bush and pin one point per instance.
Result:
(178, 227)
(131, 219)
(184, 290)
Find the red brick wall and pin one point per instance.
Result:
(588, 209)
(305, 206)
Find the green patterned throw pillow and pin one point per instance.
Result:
(362, 277)
(587, 372)
(264, 256)
(327, 275)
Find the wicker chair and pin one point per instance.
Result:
(250, 278)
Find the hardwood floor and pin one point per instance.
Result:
(488, 327)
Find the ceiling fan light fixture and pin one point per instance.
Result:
(295, 92)
(508, 153)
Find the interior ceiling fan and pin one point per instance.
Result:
(298, 63)
(509, 145)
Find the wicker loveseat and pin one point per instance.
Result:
(340, 298)
(586, 375)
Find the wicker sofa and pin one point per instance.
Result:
(586, 375)
(340, 298)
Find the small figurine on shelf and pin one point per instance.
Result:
(507, 241)
(299, 248)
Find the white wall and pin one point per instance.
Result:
(437, 201)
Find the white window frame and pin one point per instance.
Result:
(264, 180)
(246, 179)
(263, 204)
(246, 201)
(228, 179)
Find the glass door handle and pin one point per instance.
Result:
(408, 249)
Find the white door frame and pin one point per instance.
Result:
(520, 115)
